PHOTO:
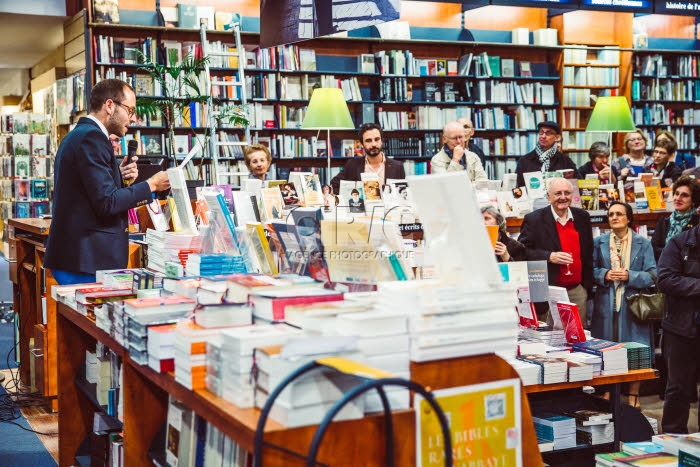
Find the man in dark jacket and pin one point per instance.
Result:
(89, 230)
(545, 157)
(679, 280)
(562, 236)
(375, 161)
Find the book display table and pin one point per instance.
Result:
(145, 405)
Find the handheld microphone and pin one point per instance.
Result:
(132, 146)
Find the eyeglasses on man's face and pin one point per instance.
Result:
(455, 138)
(546, 133)
(129, 110)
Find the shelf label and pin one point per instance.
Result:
(677, 8)
(636, 6)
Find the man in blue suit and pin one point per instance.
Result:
(89, 227)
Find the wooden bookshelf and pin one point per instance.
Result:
(495, 123)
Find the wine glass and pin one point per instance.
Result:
(568, 271)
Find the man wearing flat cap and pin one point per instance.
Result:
(546, 157)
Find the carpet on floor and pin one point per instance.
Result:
(19, 447)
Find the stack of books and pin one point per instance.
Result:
(595, 434)
(383, 340)
(236, 383)
(161, 347)
(166, 247)
(594, 361)
(270, 306)
(546, 334)
(199, 264)
(308, 398)
(608, 459)
(450, 322)
(557, 428)
(191, 352)
(641, 447)
(658, 459)
(613, 354)
(530, 373)
(579, 371)
(638, 355)
(554, 370)
(674, 444)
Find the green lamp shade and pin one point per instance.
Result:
(327, 111)
(611, 113)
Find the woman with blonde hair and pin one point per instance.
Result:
(635, 161)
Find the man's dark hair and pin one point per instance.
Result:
(108, 89)
(628, 210)
(692, 184)
(367, 127)
(354, 191)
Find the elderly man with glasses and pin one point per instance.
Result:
(454, 157)
(546, 156)
(93, 191)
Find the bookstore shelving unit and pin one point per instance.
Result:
(509, 89)
(666, 95)
(599, 219)
(587, 73)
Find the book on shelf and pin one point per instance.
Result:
(660, 459)
(524, 70)
(507, 67)
(465, 63)
(105, 11)
(187, 16)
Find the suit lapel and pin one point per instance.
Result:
(634, 250)
(550, 228)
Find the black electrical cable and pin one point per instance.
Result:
(18, 396)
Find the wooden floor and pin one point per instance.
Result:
(39, 418)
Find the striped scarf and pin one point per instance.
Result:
(545, 156)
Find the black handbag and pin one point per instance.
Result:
(646, 307)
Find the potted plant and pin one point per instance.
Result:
(182, 84)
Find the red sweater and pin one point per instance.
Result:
(570, 243)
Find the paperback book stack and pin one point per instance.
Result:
(199, 264)
(544, 333)
(579, 371)
(448, 322)
(161, 347)
(559, 429)
(235, 382)
(641, 447)
(595, 434)
(613, 354)
(530, 373)
(308, 398)
(166, 247)
(191, 353)
(607, 459)
(675, 444)
(638, 355)
(140, 313)
(383, 340)
(594, 361)
(554, 370)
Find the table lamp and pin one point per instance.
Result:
(328, 111)
(611, 113)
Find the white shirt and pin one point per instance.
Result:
(569, 216)
(99, 123)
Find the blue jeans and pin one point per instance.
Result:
(68, 278)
